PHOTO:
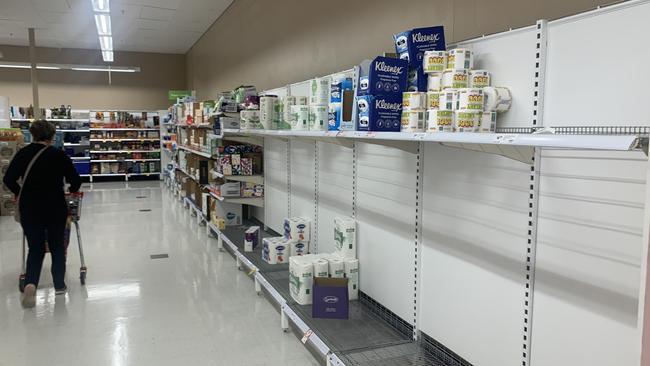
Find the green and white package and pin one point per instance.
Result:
(345, 237)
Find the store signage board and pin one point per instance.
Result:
(175, 94)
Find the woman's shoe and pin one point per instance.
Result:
(61, 291)
(29, 296)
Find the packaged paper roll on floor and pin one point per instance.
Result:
(497, 98)
(352, 274)
(440, 120)
(297, 229)
(321, 268)
(301, 277)
(345, 237)
(336, 267)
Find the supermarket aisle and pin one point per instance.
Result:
(193, 308)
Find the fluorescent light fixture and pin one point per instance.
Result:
(47, 66)
(101, 6)
(103, 23)
(107, 56)
(106, 43)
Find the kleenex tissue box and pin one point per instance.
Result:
(379, 113)
(384, 76)
(410, 45)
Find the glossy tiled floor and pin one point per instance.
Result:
(194, 308)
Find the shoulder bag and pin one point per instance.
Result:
(22, 184)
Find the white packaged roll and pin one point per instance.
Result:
(352, 274)
(345, 237)
(336, 267)
(440, 120)
(414, 100)
(433, 100)
(460, 59)
(300, 118)
(301, 278)
(274, 250)
(301, 100)
(497, 98)
(413, 120)
(470, 98)
(479, 78)
(466, 120)
(267, 111)
(434, 81)
(321, 268)
(287, 102)
(250, 119)
(455, 79)
(448, 99)
(434, 61)
(318, 117)
(299, 248)
(488, 123)
(319, 93)
(297, 229)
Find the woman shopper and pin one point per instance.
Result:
(41, 204)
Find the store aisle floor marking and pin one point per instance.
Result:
(159, 256)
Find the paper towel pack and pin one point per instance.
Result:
(297, 229)
(352, 274)
(321, 268)
(345, 237)
(336, 267)
(301, 277)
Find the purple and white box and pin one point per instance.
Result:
(410, 45)
(379, 113)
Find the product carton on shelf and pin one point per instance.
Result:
(301, 277)
(330, 298)
(274, 250)
(230, 189)
(383, 76)
(251, 238)
(345, 239)
(297, 229)
(231, 213)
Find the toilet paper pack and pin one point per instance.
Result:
(319, 93)
(379, 113)
(251, 238)
(345, 237)
(297, 229)
(352, 274)
(274, 250)
(301, 277)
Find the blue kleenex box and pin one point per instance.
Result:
(330, 298)
(384, 76)
(419, 40)
(379, 113)
(417, 79)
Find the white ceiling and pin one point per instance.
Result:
(165, 26)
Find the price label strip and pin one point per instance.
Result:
(305, 337)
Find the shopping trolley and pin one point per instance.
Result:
(74, 201)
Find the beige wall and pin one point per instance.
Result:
(272, 43)
(88, 90)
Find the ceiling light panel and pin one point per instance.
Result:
(107, 56)
(101, 6)
(103, 23)
(106, 43)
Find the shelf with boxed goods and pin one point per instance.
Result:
(11, 140)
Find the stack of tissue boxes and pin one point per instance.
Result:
(340, 264)
(379, 96)
(411, 46)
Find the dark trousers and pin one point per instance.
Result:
(37, 232)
